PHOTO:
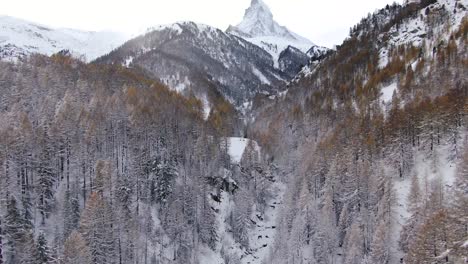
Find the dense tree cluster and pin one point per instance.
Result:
(92, 154)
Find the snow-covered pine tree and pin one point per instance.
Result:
(71, 214)
(13, 231)
(42, 253)
(208, 226)
(241, 217)
(26, 212)
(1, 242)
(46, 175)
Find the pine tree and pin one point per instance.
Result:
(71, 214)
(42, 253)
(1, 242)
(165, 174)
(208, 227)
(14, 231)
(26, 212)
(46, 176)
(380, 251)
(241, 217)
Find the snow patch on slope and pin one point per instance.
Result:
(387, 92)
(236, 148)
(206, 107)
(262, 236)
(260, 75)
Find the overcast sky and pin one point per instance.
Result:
(325, 22)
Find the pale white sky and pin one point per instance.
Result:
(324, 22)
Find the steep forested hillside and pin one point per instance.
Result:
(374, 140)
(103, 165)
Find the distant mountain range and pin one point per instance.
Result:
(256, 56)
(19, 38)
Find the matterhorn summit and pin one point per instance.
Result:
(259, 28)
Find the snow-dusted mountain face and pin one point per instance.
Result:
(20, 38)
(259, 27)
(193, 57)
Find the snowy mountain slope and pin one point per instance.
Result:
(413, 30)
(292, 60)
(20, 38)
(416, 30)
(188, 56)
(259, 28)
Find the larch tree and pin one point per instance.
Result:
(354, 244)
(380, 251)
(76, 250)
(96, 227)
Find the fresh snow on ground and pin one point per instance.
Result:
(236, 148)
(206, 107)
(260, 75)
(262, 236)
(387, 92)
(465, 244)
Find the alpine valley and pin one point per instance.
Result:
(193, 144)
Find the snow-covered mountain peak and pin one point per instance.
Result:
(258, 22)
(259, 27)
(19, 38)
